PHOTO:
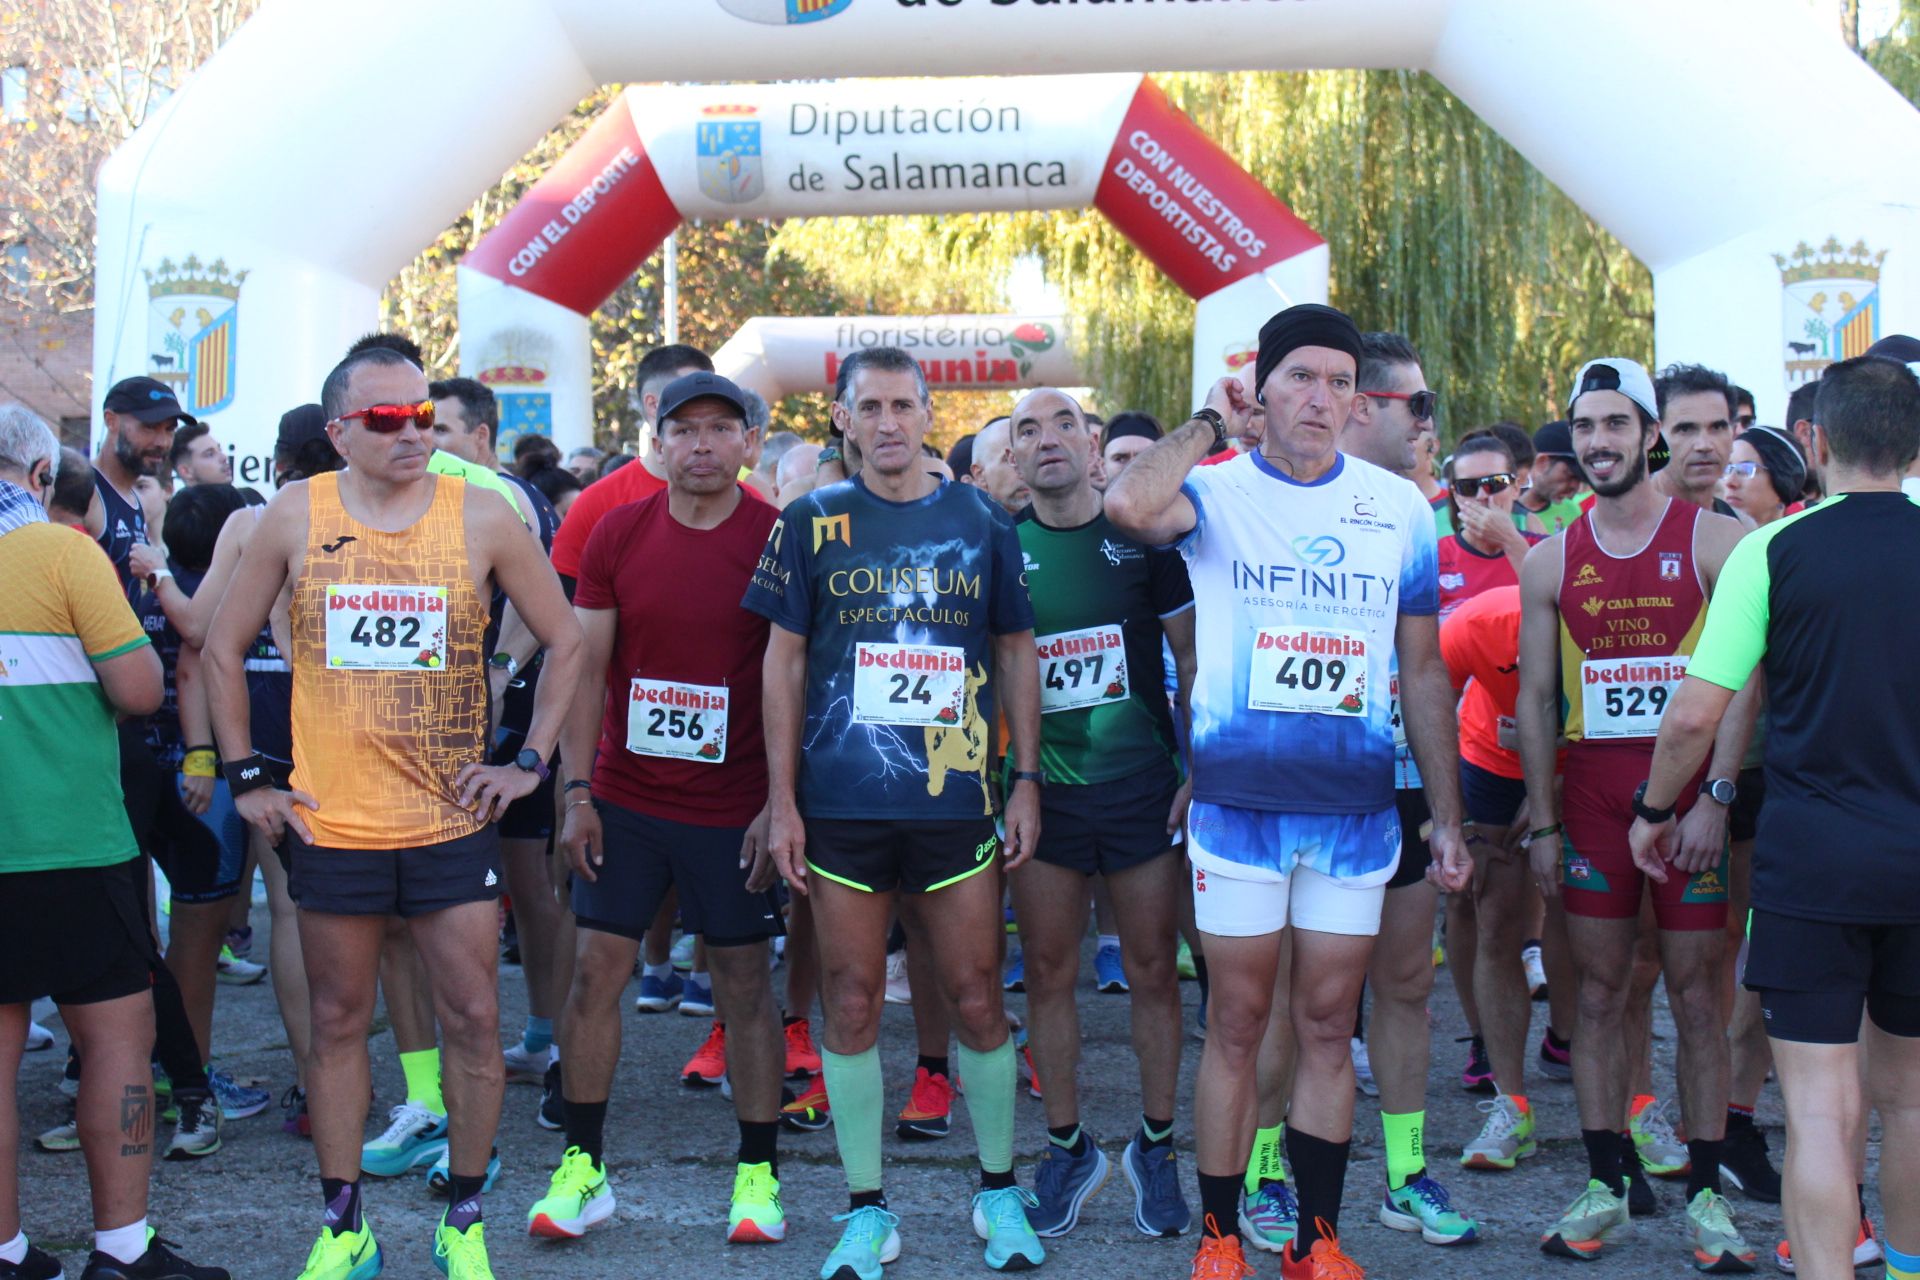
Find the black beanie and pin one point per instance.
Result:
(1785, 468)
(1132, 422)
(1305, 324)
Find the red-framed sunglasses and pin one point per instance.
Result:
(389, 418)
(1421, 404)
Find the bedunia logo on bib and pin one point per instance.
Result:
(377, 601)
(1663, 671)
(1072, 644)
(902, 659)
(1319, 643)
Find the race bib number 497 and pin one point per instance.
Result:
(1314, 670)
(677, 721)
(1082, 668)
(386, 628)
(1625, 697)
(909, 684)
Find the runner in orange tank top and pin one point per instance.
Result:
(393, 804)
(1611, 608)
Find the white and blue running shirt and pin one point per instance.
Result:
(1298, 588)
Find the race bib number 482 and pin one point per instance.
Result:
(909, 684)
(677, 721)
(1625, 697)
(1082, 668)
(1312, 670)
(386, 628)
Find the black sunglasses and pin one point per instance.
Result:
(1471, 486)
(1421, 404)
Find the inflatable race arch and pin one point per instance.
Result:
(1737, 147)
(659, 155)
(780, 355)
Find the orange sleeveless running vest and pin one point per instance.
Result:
(1628, 623)
(389, 688)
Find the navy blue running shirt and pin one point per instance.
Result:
(899, 602)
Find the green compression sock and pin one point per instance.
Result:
(1406, 1154)
(990, 1081)
(857, 1089)
(1268, 1162)
(422, 1069)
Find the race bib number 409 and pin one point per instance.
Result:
(677, 721)
(1625, 697)
(908, 684)
(1082, 668)
(1316, 670)
(386, 628)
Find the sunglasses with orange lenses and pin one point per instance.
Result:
(389, 418)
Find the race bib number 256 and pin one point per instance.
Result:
(386, 628)
(677, 721)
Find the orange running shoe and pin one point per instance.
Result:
(1326, 1260)
(1033, 1073)
(1219, 1257)
(802, 1058)
(708, 1065)
(1866, 1249)
(808, 1113)
(927, 1114)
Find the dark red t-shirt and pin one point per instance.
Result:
(677, 591)
(1465, 573)
(631, 483)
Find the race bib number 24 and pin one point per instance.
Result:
(909, 684)
(393, 628)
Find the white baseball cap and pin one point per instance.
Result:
(1616, 373)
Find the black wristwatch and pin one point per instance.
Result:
(530, 760)
(1641, 809)
(1036, 776)
(1212, 418)
(1720, 790)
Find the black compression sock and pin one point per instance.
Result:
(759, 1143)
(1220, 1204)
(1603, 1159)
(342, 1200)
(587, 1127)
(1703, 1154)
(935, 1066)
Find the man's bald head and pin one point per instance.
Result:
(993, 468)
(797, 464)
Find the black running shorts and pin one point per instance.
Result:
(79, 935)
(1815, 977)
(880, 855)
(409, 882)
(1104, 827)
(646, 856)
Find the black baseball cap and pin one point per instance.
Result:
(701, 386)
(299, 425)
(146, 399)
(1555, 440)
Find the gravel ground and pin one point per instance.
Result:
(253, 1206)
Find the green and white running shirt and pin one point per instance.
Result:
(1098, 598)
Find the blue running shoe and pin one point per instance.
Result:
(1016, 979)
(1423, 1205)
(1270, 1217)
(440, 1177)
(696, 999)
(237, 1101)
(657, 995)
(871, 1239)
(1062, 1182)
(1159, 1209)
(1000, 1218)
(414, 1136)
(1109, 975)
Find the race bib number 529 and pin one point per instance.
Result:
(386, 628)
(1625, 697)
(1314, 670)
(909, 684)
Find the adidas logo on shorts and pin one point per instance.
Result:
(491, 879)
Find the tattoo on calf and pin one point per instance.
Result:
(136, 1120)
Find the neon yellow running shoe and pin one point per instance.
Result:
(756, 1216)
(1584, 1228)
(352, 1256)
(577, 1197)
(461, 1255)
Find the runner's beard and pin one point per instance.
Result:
(1625, 483)
(131, 458)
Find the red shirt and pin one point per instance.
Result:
(1480, 643)
(630, 483)
(678, 591)
(1466, 573)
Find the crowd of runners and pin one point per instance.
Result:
(1275, 699)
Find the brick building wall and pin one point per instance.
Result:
(46, 363)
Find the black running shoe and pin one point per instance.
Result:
(1641, 1202)
(553, 1107)
(159, 1262)
(1745, 1167)
(37, 1265)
